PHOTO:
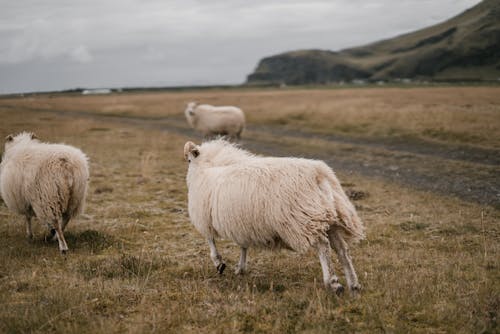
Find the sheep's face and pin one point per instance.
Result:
(12, 140)
(189, 112)
(191, 151)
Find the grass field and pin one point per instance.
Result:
(430, 263)
(465, 115)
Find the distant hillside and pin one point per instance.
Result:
(466, 47)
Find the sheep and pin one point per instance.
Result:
(212, 121)
(271, 202)
(46, 181)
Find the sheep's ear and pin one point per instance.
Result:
(191, 148)
(33, 136)
(9, 138)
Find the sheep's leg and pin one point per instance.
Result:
(63, 247)
(329, 278)
(65, 222)
(342, 250)
(29, 231)
(242, 265)
(53, 234)
(215, 256)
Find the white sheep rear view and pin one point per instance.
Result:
(270, 202)
(46, 181)
(213, 121)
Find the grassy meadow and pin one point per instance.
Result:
(456, 115)
(430, 263)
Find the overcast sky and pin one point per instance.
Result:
(61, 44)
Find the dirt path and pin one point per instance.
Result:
(469, 173)
(430, 171)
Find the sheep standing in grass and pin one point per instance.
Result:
(213, 121)
(270, 202)
(46, 181)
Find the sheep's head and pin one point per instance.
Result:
(191, 151)
(217, 152)
(24, 137)
(189, 113)
(190, 109)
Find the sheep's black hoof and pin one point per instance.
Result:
(51, 236)
(64, 252)
(338, 289)
(221, 267)
(355, 290)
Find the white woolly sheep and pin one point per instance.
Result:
(46, 181)
(270, 202)
(213, 121)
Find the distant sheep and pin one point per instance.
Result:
(46, 181)
(212, 121)
(270, 202)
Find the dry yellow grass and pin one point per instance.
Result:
(430, 263)
(466, 115)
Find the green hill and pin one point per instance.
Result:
(465, 47)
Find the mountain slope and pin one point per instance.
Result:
(466, 47)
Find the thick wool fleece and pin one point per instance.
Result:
(210, 120)
(266, 201)
(48, 181)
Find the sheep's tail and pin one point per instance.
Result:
(79, 193)
(347, 217)
(77, 179)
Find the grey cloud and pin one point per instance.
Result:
(65, 44)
